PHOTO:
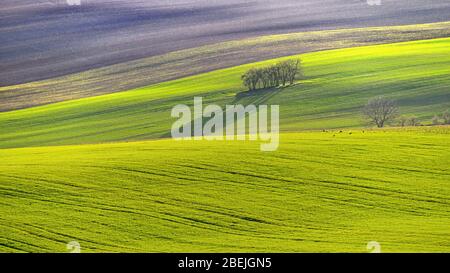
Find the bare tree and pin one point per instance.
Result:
(293, 71)
(251, 79)
(265, 77)
(247, 81)
(380, 110)
(403, 121)
(274, 75)
(413, 121)
(435, 120)
(446, 117)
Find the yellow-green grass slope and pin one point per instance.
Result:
(336, 85)
(320, 192)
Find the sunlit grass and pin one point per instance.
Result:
(320, 192)
(336, 85)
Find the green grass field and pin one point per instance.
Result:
(321, 191)
(337, 84)
(100, 170)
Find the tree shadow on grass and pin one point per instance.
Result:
(256, 97)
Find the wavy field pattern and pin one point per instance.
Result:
(337, 84)
(324, 191)
(86, 155)
(192, 61)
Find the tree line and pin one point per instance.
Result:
(280, 74)
(381, 110)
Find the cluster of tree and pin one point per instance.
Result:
(381, 110)
(408, 121)
(282, 73)
(445, 117)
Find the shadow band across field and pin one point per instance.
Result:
(257, 97)
(337, 84)
(245, 98)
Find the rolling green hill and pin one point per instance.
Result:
(320, 192)
(323, 191)
(337, 84)
(178, 64)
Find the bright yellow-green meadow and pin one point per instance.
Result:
(321, 191)
(103, 171)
